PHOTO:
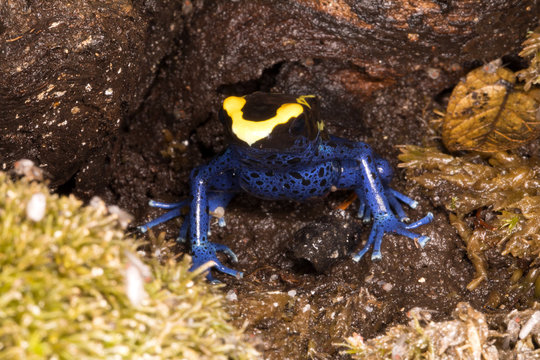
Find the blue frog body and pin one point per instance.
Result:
(279, 149)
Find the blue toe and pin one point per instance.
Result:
(423, 221)
(423, 240)
(227, 250)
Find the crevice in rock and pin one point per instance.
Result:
(265, 82)
(69, 186)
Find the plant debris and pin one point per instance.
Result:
(73, 287)
(465, 337)
(470, 335)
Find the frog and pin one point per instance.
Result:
(279, 149)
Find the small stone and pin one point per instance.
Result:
(231, 296)
(387, 287)
(35, 209)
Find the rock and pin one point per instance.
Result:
(72, 72)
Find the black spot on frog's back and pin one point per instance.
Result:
(300, 184)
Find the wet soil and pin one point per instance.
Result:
(379, 71)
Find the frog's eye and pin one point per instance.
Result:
(298, 126)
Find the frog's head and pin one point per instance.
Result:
(272, 121)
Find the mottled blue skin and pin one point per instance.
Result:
(310, 168)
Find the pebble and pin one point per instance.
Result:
(35, 209)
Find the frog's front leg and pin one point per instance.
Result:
(361, 173)
(202, 249)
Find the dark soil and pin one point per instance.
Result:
(379, 72)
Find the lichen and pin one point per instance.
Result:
(73, 287)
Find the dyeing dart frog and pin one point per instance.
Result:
(279, 149)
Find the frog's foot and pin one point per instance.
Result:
(216, 203)
(392, 224)
(205, 253)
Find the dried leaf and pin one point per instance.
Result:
(489, 112)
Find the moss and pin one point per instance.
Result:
(531, 50)
(72, 287)
(493, 201)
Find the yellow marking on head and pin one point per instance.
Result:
(302, 100)
(252, 131)
(320, 125)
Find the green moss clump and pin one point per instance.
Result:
(494, 202)
(531, 49)
(66, 271)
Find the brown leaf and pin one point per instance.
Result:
(488, 112)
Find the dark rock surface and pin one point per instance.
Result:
(72, 72)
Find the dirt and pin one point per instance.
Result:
(379, 71)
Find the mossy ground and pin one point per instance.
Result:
(73, 287)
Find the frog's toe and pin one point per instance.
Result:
(164, 205)
(227, 250)
(367, 215)
(375, 237)
(361, 209)
(183, 233)
(423, 221)
(404, 198)
(142, 228)
(398, 209)
(226, 270)
(175, 212)
(181, 240)
(212, 262)
(221, 222)
(358, 256)
(421, 239)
